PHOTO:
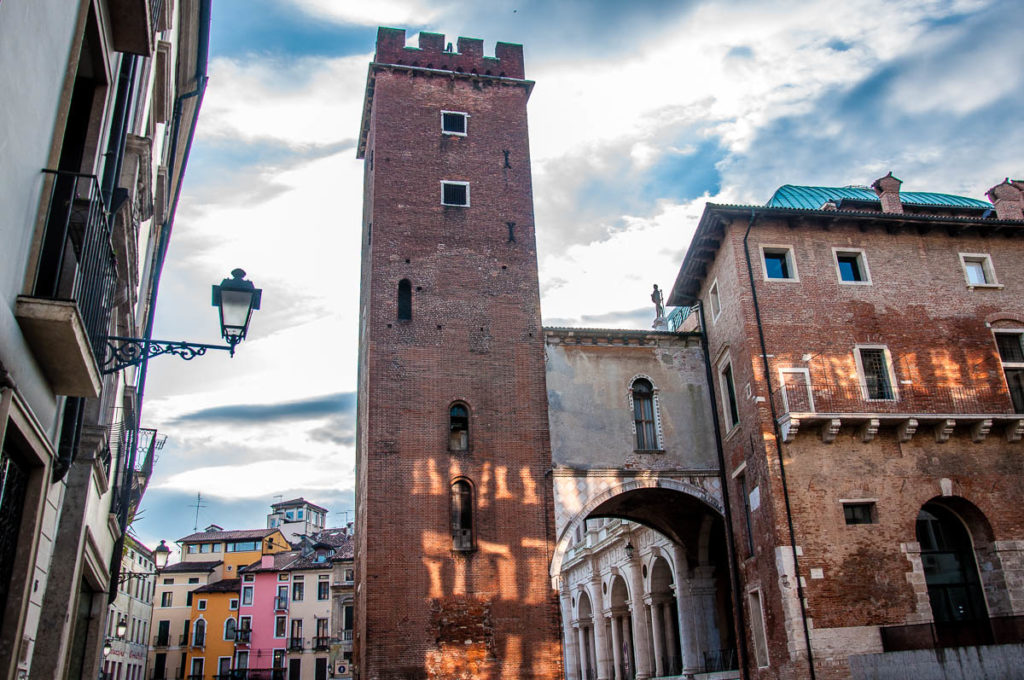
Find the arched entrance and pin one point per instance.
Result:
(654, 558)
(948, 556)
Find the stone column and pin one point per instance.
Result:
(616, 646)
(571, 656)
(581, 634)
(658, 637)
(604, 671)
(703, 589)
(692, 660)
(641, 648)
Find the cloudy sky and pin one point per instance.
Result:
(642, 112)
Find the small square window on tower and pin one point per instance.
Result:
(455, 193)
(777, 263)
(454, 123)
(978, 270)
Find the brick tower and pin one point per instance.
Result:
(454, 510)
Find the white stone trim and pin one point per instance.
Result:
(655, 404)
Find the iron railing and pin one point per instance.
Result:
(913, 398)
(281, 603)
(720, 660)
(295, 644)
(161, 640)
(76, 260)
(242, 636)
(346, 635)
(320, 643)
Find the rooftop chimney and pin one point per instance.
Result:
(1008, 198)
(888, 190)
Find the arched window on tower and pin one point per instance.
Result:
(458, 427)
(643, 415)
(462, 515)
(404, 300)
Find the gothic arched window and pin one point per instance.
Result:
(404, 300)
(462, 515)
(458, 427)
(199, 633)
(230, 626)
(644, 415)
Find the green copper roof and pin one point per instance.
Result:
(812, 198)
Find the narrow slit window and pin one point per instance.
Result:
(404, 300)
(454, 123)
(462, 515)
(643, 415)
(455, 194)
(458, 427)
(731, 409)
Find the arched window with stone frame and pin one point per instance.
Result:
(462, 515)
(643, 402)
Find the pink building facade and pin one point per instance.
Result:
(263, 612)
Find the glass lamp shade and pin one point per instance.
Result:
(161, 554)
(122, 627)
(236, 299)
(106, 648)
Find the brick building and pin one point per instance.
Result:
(453, 504)
(866, 347)
(813, 475)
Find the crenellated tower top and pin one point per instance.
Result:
(469, 58)
(433, 58)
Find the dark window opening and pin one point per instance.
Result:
(776, 265)
(1011, 347)
(458, 428)
(850, 268)
(859, 513)
(876, 374)
(730, 396)
(14, 479)
(404, 300)
(453, 123)
(456, 194)
(462, 515)
(643, 415)
(742, 481)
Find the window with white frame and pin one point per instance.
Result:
(455, 123)
(978, 270)
(1011, 354)
(757, 628)
(247, 595)
(796, 390)
(727, 384)
(455, 193)
(201, 605)
(233, 603)
(851, 265)
(778, 264)
(714, 301)
(874, 365)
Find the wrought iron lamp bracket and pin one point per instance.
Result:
(120, 352)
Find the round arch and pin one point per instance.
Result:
(626, 501)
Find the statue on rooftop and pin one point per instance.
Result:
(659, 306)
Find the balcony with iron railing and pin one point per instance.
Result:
(74, 288)
(908, 407)
(161, 640)
(242, 636)
(295, 644)
(346, 635)
(280, 604)
(321, 643)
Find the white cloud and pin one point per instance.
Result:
(300, 102)
(264, 478)
(375, 13)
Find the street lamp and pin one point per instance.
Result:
(236, 298)
(161, 554)
(122, 627)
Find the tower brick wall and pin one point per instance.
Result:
(423, 609)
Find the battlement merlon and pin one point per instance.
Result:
(431, 58)
(507, 61)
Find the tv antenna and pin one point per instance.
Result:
(199, 504)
